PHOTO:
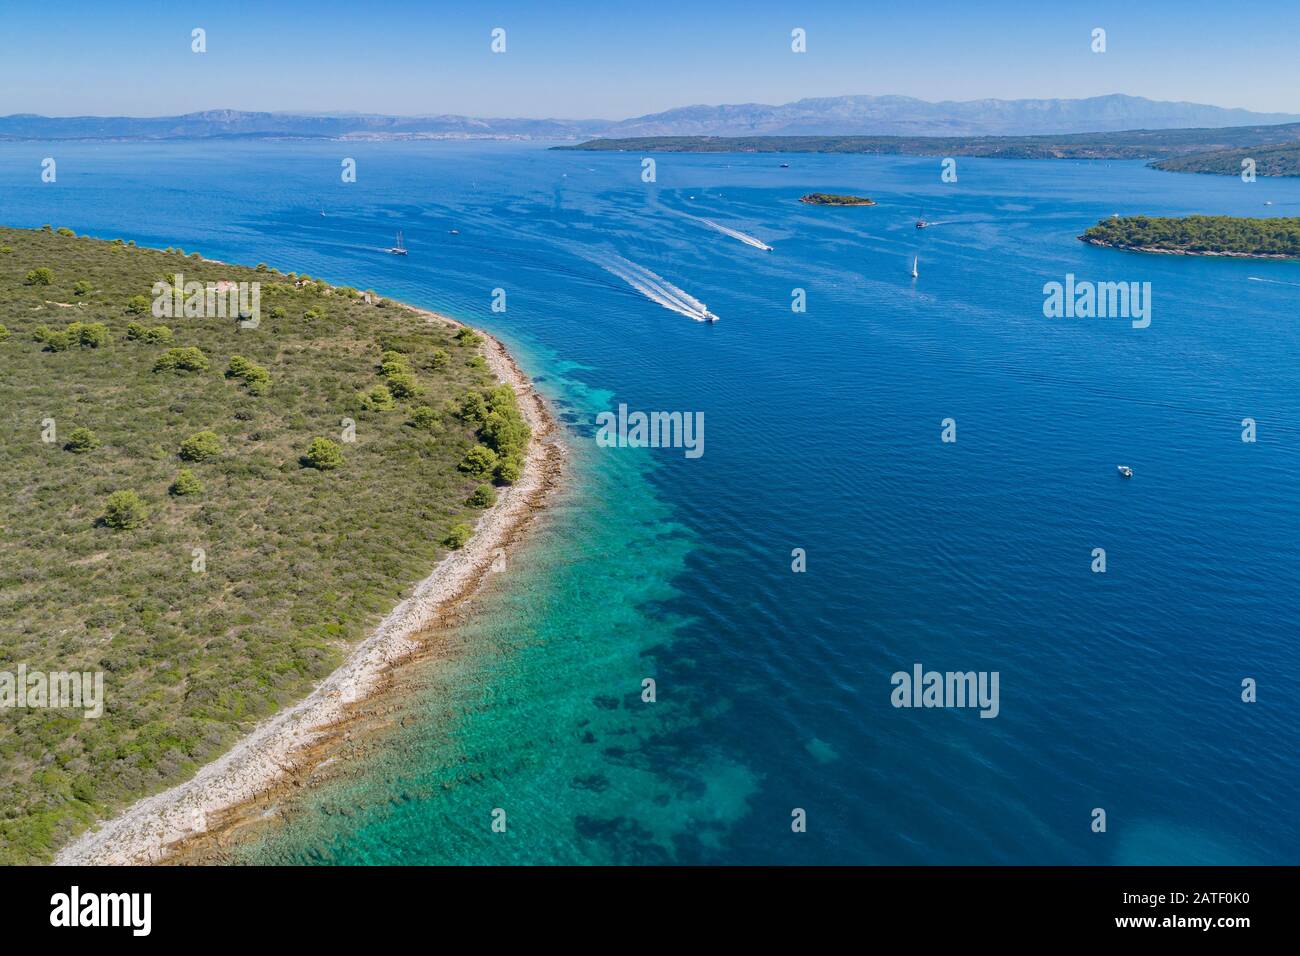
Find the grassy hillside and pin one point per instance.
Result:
(1203, 235)
(1278, 159)
(1130, 144)
(301, 557)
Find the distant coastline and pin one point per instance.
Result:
(1156, 250)
(1148, 144)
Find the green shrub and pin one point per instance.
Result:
(124, 510)
(6, 250)
(394, 363)
(510, 469)
(276, 312)
(484, 496)
(501, 428)
(92, 335)
(467, 336)
(323, 454)
(440, 358)
(57, 341)
(185, 483)
(188, 359)
(255, 377)
(480, 462)
(474, 409)
(403, 385)
(458, 535)
(65, 231)
(311, 315)
(82, 287)
(201, 446)
(424, 417)
(378, 399)
(138, 305)
(4, 333)
(41, 276)
(158, 335)
(81, 440)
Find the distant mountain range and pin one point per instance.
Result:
(824, 116)
(905, 116)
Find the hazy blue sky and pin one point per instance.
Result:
(620, 58)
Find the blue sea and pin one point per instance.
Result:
(1119, 691)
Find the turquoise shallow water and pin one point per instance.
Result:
(1118, 691)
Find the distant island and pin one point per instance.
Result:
(1130, 144)
(833, 199)
(1276, 159)
(1200, 236)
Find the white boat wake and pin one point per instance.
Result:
(733, 233)
(1272, 281)
(655, 287)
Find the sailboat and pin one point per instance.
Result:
(915, 260)
(400, 248)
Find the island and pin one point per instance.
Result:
(232, 497)
(1274, 159)
(833, 199)
(1149, 144)
(1235, 236)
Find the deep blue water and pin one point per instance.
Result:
(1118, 690)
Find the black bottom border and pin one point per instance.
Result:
(210, 905)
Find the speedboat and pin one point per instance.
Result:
(785, 165)
(454, 232)
(1125, 471)
(708, 316)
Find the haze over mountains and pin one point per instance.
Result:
(822, 116)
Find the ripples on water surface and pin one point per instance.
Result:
(1118, 690)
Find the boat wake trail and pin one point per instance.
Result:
(1272, 281)
(733, 233)
(654, 287)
